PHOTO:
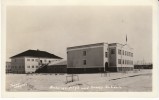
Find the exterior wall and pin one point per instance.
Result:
(8, 67)
(57, 69)
(18, 65)
(32, 64)
(123, 57)
(28, 64)
(126, 59)
(112, 57)
(100, 57)
(94, 57)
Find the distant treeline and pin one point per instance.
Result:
(148, 66)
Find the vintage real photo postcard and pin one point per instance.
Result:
(79, 48)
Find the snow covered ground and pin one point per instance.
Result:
(130, 81)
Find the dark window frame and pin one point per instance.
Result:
(84, 62)
(84, 53)
(106, 54)
(112, 51)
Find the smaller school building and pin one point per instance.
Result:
(99, 57)
(31, 60)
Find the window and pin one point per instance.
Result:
(84, 62)
(84, 53)
(106, 54)
(32, 66)
(119, 52)
(45, 60)
(123, 52)
(36, 66)
(32, 59)
(119, 61)
(28, 66)
(36, 59)
(123, 61)
(28, 59)
(112, 51)
(41, 61)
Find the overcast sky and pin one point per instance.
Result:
(54, 28)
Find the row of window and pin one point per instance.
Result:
(122, 52)
(8, 66)
(31, 59)
(41, 60)
(36, 60)
(126, 62)
(32, 66)
(14, 67)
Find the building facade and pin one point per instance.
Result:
(99, 57)
(120, 57)
(30, 60)
(8, 67)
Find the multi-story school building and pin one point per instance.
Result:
(99, 57)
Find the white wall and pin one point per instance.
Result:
(32, 63)
(20, 64)
(124, 57)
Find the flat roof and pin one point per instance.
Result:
(88, 45)
(115, 44)
(97, 44)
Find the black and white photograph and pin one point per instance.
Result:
(79, 48)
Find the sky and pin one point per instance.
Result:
(54, 28)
